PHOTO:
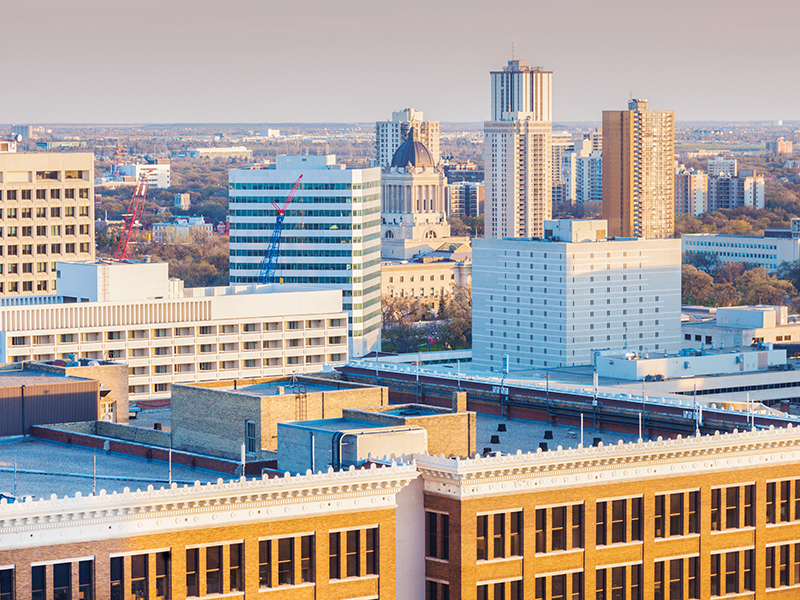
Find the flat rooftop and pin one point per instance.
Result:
(17, 377)
(413, 411)
(341, 424)
(44, 468)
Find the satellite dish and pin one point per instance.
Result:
(18, 137)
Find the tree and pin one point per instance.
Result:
(697, 287)
(757, 286)
(707, 263)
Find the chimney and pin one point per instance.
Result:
(459, 402)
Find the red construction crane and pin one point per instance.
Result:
(133, 215)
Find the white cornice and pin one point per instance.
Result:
(105, 516)
(463, 478)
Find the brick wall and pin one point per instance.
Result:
(176, 541)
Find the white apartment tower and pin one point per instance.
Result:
(553, 302)
(331, 235)
(389, 135)
(517, 152)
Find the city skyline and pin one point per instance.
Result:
(208, 63)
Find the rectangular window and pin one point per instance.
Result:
(483, 526)
(558, 528)
(601, 524)
(438, 535)
(250, 436)
(235, 567)
(38, 584)
(352, 553)
(192, 576)
(118, 578)
(498, 535)
(214, 570)
(163, 574)
(139, 583)
(62, 581)
(307, 558)
(7, 584)
(335, 555)
(618, 510)
(265, 563)
(676, 514)
(372, 551)
(516, 534)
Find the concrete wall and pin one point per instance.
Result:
(688, 366)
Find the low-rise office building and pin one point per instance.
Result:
(167, 334)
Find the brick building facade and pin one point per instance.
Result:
(700, 517)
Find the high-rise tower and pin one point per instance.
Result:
(389, 135)
(517, 152)
(638, 171)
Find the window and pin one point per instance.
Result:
(307, 558)
(438, 590)
(732, 507)
(783, 501)
(275, 573)
(7, 584)
(235, 567)
(163, 574)
(568, 586)
(250, 436)
(783, 565)
(437, 535)
(620, 583)
(732, 572)
(214, 570)
(619, 521)
(565, 531)
(345, 550)
(265, 563)
(677, 514)
(139, 582)
(352, 553)
(38, 584)
(62, 581)
(500, 535)
(675, 575)
(192, 564)
(118, 578)
(335, 555)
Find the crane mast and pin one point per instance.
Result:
(270, 262)
(134, 213)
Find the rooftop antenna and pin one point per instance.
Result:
(513, 52)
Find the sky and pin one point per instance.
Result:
(312, 61)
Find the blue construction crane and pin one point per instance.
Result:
(270, 262)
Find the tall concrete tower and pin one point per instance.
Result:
(517, 152)
(638, 171)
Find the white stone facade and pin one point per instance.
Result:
(158, 175)
(551, 303)
(206, 335)
(331, 235)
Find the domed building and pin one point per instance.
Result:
(413, 218)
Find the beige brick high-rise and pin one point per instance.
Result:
(638, 171)
(46, 215)
(517, 152)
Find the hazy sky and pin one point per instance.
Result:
(263, 61)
